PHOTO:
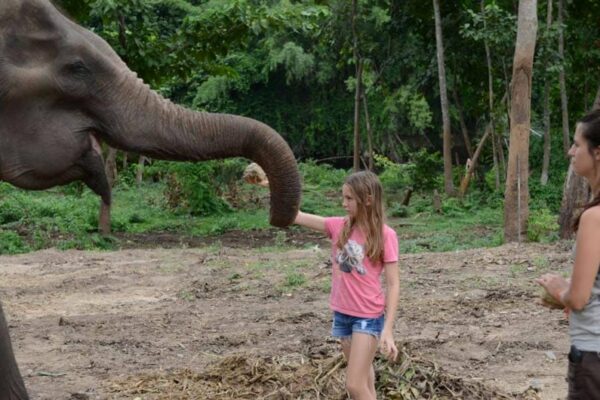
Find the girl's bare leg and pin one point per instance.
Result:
(372, 382)
(360, 376)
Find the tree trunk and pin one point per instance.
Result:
(356, 158)
(561, 79)
(464, 184)
(139, 173)
(496, 146)
(496, 163)
(516, 197)
(576, 192)
(448, 184)
(463, 125)
(547, 141)
(369, 131)
(500, 139)
(357, 93)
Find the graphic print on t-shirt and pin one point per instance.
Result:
(351, 256)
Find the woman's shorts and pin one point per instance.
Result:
(584, 375)
(345, 325)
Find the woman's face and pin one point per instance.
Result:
(582, 161)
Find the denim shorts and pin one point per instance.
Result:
(344, 326)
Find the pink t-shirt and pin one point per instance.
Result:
(356, 281)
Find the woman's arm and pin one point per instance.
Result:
(392, 283)
(587, 260)
(576, 294)
(310, 221)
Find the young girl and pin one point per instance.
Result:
(581, 294)
(363, 248)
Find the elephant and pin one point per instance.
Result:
(64, 91)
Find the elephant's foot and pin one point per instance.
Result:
(104, 219)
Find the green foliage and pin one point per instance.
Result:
(404, 102)
(294, 279)
(394, 176)
(10, 212)
(322, 175)
(542, 226)
(12, 243)
(290, 64)
(294, 60)
(93, 241)
(421, 173)
(472, 223)
(193, 186)
(397, 210)
(428, 166)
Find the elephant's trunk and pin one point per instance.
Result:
(11, 382)
(150, 125)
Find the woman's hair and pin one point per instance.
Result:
(590, 132)
(368, 192)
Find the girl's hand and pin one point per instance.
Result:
(555, 285)
(387, 346)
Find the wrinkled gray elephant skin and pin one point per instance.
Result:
(63, 90)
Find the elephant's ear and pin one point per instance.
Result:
(32, 35)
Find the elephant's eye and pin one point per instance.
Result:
(77, 68)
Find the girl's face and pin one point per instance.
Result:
(583, 163)
(349, 201)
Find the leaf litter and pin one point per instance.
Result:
(301, 377)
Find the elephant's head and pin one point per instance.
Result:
(63, 88)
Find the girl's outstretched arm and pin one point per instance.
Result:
(310, 221)
(392, 283)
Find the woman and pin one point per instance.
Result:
(581, 293)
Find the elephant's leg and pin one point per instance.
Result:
(95, 178)
(11, 382)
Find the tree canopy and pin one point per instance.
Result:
(291, 64)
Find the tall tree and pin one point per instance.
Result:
(357, 94)
(547, 141)
(488, 59)
(561, 79)
(516, 196)
(447, 138)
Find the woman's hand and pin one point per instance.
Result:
(387, 346)
(555, 285)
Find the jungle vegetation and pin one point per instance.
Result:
(349, 84)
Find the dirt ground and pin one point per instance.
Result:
(101, 325)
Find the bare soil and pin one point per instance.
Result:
(133, 323)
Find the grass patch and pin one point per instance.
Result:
(455, 229)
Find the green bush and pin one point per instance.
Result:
(397, 210)
(323, 176)
(543, 226)
(10, 212)
(394, 177)
(427, 171)
(12, 243)
(191, 187)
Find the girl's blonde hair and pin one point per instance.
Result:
(368, 192)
